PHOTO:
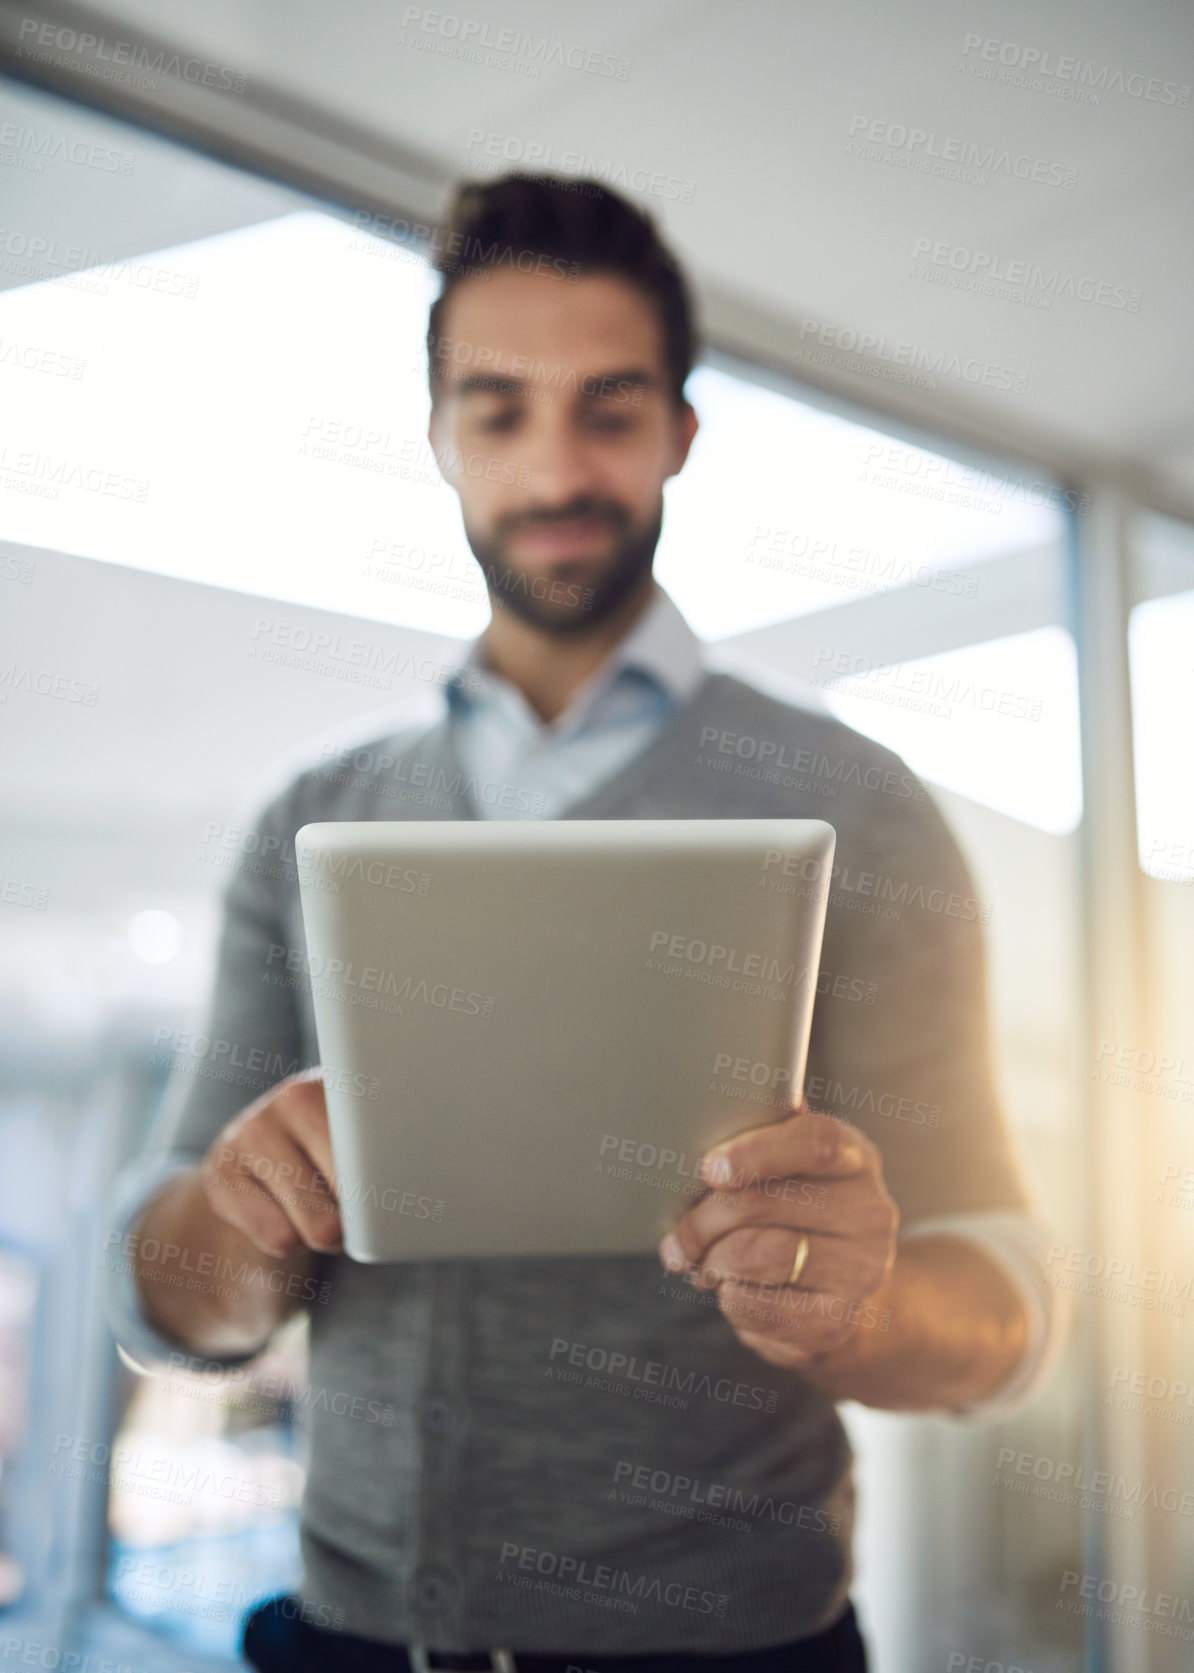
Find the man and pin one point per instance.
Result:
(520, 1499)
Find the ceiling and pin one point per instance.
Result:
(746, 130)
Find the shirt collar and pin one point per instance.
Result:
(659, 644)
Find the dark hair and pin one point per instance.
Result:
(571, 227)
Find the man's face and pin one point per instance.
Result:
(551, 419)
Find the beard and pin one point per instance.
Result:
(573, 599)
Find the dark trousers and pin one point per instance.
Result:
(277, 1640)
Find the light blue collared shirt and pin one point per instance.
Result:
(611, 718)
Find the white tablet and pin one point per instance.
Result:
(531, 1031)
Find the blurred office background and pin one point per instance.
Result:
(944, 483)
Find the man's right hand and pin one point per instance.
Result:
(266, 1187)
(270, 1172)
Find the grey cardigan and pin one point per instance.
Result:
(578, 1454)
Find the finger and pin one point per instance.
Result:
(305, 1195)
(307, 1198)
(812, 1321)
(809, 1321)
(760, 1259)
(842, 1209)
(801, 1143)
(284, 1172)
(244, 1204)
(790, 1355)
(306, 1112)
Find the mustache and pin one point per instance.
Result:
(590, 510)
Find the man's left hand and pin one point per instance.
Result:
(806, 1173)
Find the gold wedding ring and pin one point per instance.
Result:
(799, 1263)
